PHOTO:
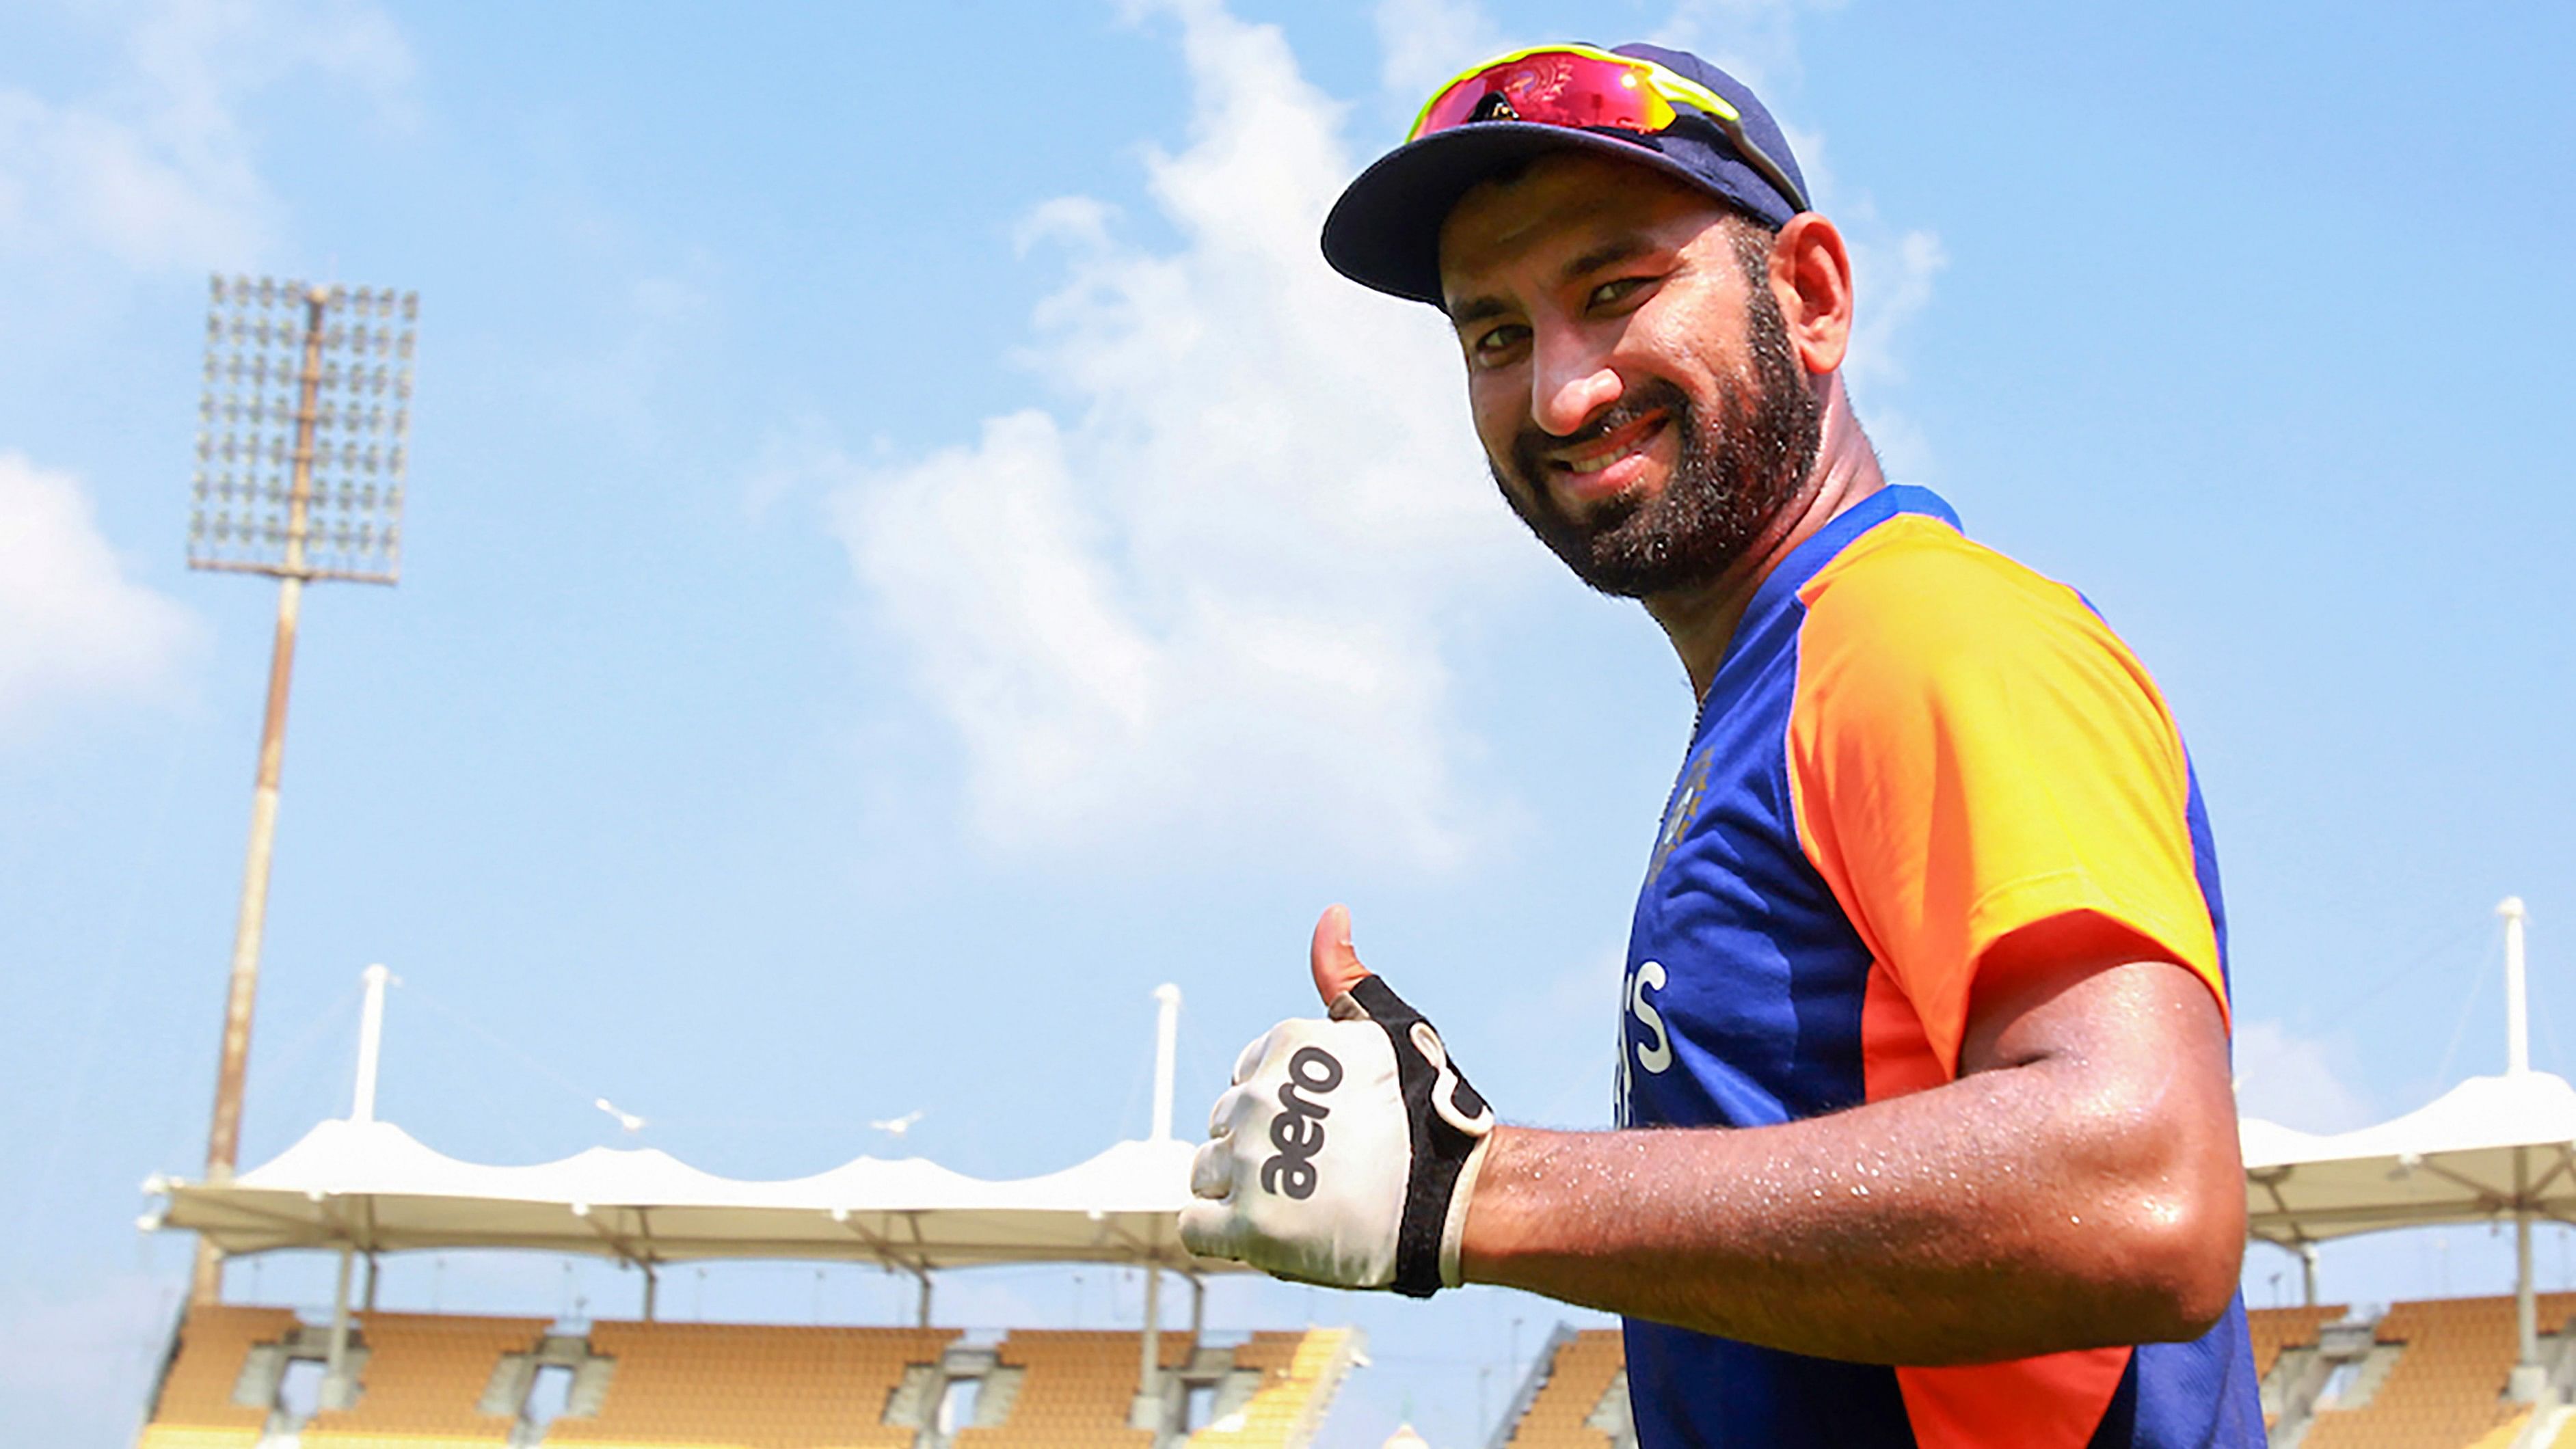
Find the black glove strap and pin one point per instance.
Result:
(1439, 1150)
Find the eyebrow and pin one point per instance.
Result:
(1623, 248)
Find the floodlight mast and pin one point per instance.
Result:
(236, 526)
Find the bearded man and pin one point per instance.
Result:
(1924, 1129)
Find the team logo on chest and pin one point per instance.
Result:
(1680, 815)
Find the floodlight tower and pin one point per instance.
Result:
(301, 438)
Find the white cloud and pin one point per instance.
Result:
(1203, 599)
(1425, 42)
(1207, 593)
(2296, 1081)
(1755, 41)
(71, 623)
(156, 168)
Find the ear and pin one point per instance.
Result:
(1811, 278)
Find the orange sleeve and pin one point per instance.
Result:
(1972, 751)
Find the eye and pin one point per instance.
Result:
(1496, 346)
(1612, 293)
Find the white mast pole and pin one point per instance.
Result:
(2525, 1385)
(2517, 1001)
(1147, 1409)
(1167, 1028)
(371, 1041)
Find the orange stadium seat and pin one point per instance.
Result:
(423, 1377)
(1300, 1373)
(195, 1408)
(1076, 1391)
(1579, 1374)
(2446, 1388)
(2276, 1329)
(749, 1386)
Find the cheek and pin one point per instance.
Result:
(1692, 338)
(1499, 410)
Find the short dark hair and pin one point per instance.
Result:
(1751, 237)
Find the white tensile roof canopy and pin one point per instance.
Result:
(2486, 1149)
(2489, 1149)
(365, 1186)
(371, 1187)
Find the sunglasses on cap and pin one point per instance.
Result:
(1584, 89)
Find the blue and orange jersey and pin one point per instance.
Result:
(1913, 748)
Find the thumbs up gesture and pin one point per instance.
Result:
(1347, 1148)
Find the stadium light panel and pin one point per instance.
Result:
(276, 365)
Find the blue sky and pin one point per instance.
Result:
(910, 548)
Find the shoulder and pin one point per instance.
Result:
(1914, 627)
(1914, 588)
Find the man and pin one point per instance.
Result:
(1932, 923)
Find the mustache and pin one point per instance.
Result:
(1532, 445)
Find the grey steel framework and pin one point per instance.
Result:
(302, 437)
(303, 431)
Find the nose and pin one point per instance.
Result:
(1570, 382)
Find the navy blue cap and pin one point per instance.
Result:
(1384, 232)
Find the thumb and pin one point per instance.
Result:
(1337, 966)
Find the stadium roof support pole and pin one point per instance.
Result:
(1167, 1029)
(2308, 1273)
(1149, 1372)
(2527, 1373)
(652, 1290)
(336, 1373)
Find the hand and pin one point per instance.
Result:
(1346, 1150)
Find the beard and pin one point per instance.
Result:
(1736, 473)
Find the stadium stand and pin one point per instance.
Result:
(195, 1408)
(422, 1384)
(1299, 1374)
(1579, 1369)
(428, 1381)
(1075, 1391)
(2286, 1355)
(2429, 1375)
(2444, 1386)
(750, 1386)
(2276, 1330)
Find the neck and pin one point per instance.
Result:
(1701, 619)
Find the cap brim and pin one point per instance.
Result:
(1384, 232)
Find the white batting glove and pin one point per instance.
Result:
(1344, 1154)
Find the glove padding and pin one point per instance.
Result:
(1344, 1154)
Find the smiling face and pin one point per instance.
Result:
(1632, 379)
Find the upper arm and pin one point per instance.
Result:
(1975, 757)
(2134, 1053)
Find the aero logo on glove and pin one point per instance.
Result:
(1407, 1135)
(1298, 1130)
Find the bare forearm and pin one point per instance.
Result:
(2009, 1213)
